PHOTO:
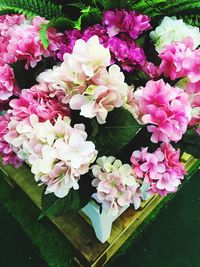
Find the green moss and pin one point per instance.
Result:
(54, 248)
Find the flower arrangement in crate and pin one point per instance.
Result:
(99, 101)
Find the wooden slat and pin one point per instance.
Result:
(80, 233)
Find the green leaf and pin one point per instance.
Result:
(31, 8)
(84, 12)
(43, 36)
(119, 130)
(54, 206)
(190, 143)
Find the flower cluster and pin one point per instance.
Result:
(85, 82)
(173, 30)
(129, 22)
(37, 100)
(8, 85)
(23, 41)
(118, 32)
(58, 154)
(100, 68)
(7, 22)
(161, 169)
(167, 108)
(116, 185)
(180, 60)
(7, 153)
(20, 41)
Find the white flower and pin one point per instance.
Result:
(44, 163)
(171, 30)
(91, 55)
(44, 131)
(126, 174)
(77, 152)
(114, 79)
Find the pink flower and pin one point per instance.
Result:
(195, 103)
(126, 52)
(7, 153)
(161, 169)
(171, 159)
(167, 108)
(167, 184)
(8, 86)
(6, 23)
(192, 87)
(68, 42)
(115, 184)
(192, 65)
(25, 44)
(37, 100)
(98, 30)
(154, 165)
(173, 58)
(123, 49)
(129, 22)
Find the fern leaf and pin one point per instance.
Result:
(191, 7)
(173, 8)
(141, 5)
(31, 8)
(80, 6)
(193, 19)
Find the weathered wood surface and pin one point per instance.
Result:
(88, 250)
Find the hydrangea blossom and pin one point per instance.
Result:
(7, 22)
(173, 59)
(194, 98)
(37, 100)
(7, 153)
(20, 40)
(86, 82)
(130, 22)
(166, 108)
(171, 30)
(25, 43)
(195, 104)
(161, 169)
(116, 185)
(8, 85)
(118, 32)
(58, 154)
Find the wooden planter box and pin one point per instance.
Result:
(88, 250)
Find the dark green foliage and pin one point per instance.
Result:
(192, 19)
(30, 74)
(31, 8)
(120, 128)
(190, 143)
(85, 189)
(54, 206)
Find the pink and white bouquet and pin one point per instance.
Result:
(100, 110)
